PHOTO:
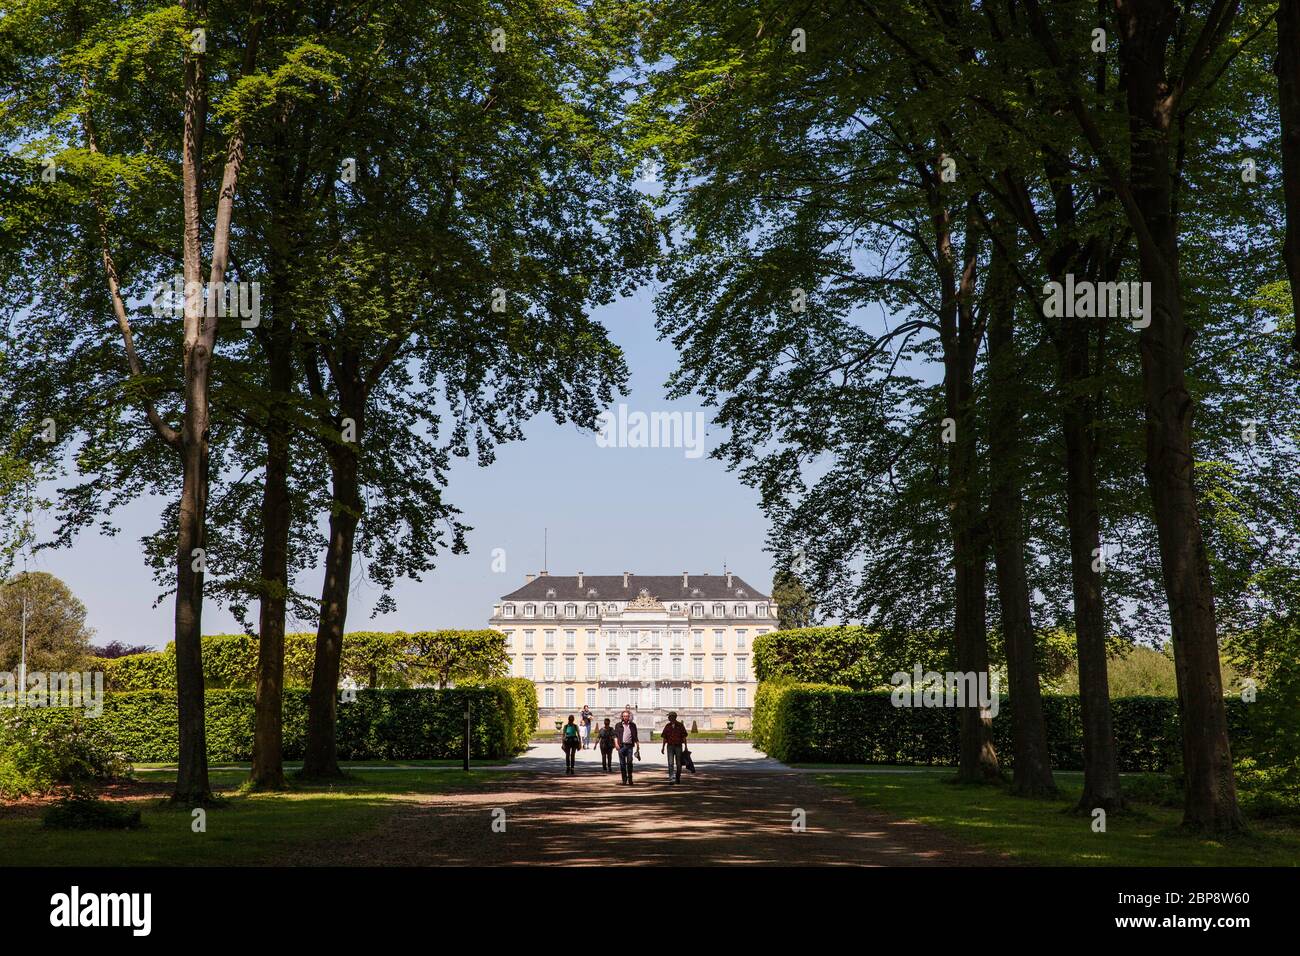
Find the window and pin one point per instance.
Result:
(570, 668)
(742, 610)
(742, 670)
(570, 610)
(718, 643)
(697, 610)
(654, 639)
(654, 667)
(759, 632)
(508, 611)
(760, 610)
(719, 610)
(699, 668)
(677, 697)
(530, 610)
(698, 696)
(612, 667)
(591, 640)
(740, 697)
(528, 640)
(528, 667)
(697, 640)
(548, 610)
(550, 697)
(634, 666)
(654, 697)
(611, 697)
(635, 697)
(740, 639)
(610, 609)
(719, 698)
(568, 697)
(677, 640)
(591, 697)
(677, 667)
(570, 639)
(613, 638)
(550, 640)
(591, 610)
(550, 668)
(591, 668)
(718, 663)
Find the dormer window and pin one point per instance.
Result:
(550, 592)
(592, 592)
(740, 592)
(508, 610)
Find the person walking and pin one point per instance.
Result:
(627, 742)
(674, 737)
(570, 744)
(584, 722)
(605, 740)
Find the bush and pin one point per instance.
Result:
(81, 813)
(400, 724)
(38, 754)
(826, 724)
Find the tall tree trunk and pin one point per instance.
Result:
(1032, 774)
(268, 768)
(321, 757)
(1211, 796)
(1101, 787)
(1288, 101)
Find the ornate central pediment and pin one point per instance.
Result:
(644, 602)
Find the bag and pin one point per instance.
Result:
(686, 760)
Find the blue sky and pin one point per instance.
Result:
(608, 510)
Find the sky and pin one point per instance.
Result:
(605, 510)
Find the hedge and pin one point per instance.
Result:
(369, 658)
(820, 723)
(399, 724)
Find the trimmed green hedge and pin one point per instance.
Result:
(819, 723)
(401, 724)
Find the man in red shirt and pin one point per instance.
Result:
(674, 738)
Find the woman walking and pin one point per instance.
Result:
(570, 743)
(584, 725)
(605, 739)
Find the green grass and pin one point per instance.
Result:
(248, 829)
(1042, 832)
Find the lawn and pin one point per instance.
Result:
(249, 829)
(1042, 832)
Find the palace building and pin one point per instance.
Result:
(652, 643)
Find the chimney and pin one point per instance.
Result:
(541, 574)
(625, 577)
(528, 579)
(728, 579)
(579, 580)
(686, 580)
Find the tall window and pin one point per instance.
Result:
(719, 698)
(634, 666)
(591, 640)
(550, 640)
(717, 639)
(654, 697)
(635, 696)
(677, 697)
(611, 697)
(741, 697)
(550, 668)
(613, 638)
(718, 672)
(612, 666)
(697, 640)
(591, 697)
(742, 669)
(698, 696)
(550, 697)
(740, 639)
(570, 668)
(699, 668)
(570, 640)
(677, 667)
(528, 640)
(677, 640)
(568, 697)
(591, 668)
(528, 667)
(654, 667)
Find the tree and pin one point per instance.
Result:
(452, 657)
(57, 636)
(795, 606)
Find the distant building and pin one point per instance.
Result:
(653, 643)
